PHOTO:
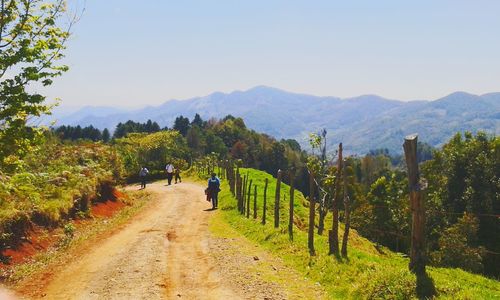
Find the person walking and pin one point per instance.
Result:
(177, 173)
(170, 172)
(213, 190)
(143, 173)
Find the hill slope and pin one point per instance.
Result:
(368, 273)
(362, 123)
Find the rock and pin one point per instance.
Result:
(255, 258)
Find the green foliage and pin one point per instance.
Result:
(152, 150)
(77, 133)
(31, 42)
(123, 129)
(457, 246)
(463, 178)
(181, 124)
(55, 182)
(69, 230)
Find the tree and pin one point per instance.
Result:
(293, 144)
(463, 177)
(458, 246)
(195, 140)
(197, 121)
(31, 42)
(105, 135)
(181, 124)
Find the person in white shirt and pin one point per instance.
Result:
(170, 172)
(143, 174)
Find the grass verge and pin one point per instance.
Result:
(368, 273)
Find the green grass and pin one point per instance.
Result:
(367, 273)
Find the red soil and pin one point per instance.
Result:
(40, 239)
(106, 209)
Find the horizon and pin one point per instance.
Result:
(122, 53)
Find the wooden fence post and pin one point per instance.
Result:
(244, 194)
(255, 202)
(248, 198)
(347, 221)
(312, 208)
(238, 191)
(238, 178)
(264, 207)
(333, 236)
(417, 257)
(277, 201)
(290, 220)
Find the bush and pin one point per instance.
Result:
(456, 246)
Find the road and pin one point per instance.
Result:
(162, 253)
(167, 251)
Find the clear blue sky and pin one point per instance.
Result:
(133, 53)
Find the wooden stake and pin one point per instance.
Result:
(238, 191)
(277, 201)
(333, 236)
(417, 257)
(264, 207)
(347, 221)
(248, 198)
(244, 194)
(290, 220)
(310, 236)
(255, 202)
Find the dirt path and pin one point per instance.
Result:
(167, 252)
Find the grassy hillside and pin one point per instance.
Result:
(367, 273)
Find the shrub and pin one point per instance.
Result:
(457, 246)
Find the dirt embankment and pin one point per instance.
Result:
(39, 238)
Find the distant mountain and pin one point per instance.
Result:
(361, 123)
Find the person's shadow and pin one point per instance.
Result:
(210, 209)
(425, 286)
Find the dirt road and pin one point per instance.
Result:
(163, 253)
(167, 252)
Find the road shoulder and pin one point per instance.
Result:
(254, 272)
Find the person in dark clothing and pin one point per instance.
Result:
(177, 174)
(213, 189)
(143, 173)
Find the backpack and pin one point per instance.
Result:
(214, 184)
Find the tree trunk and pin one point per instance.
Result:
(255, 202)
(334, 233)
(264, 207)
(310, 237)
(417, 256)
(321, 221)
(347, 221)
(277, 201)
(248, 198)
(290, 220)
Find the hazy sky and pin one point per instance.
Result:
(133, 53)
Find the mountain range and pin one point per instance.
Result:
(361, 123)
